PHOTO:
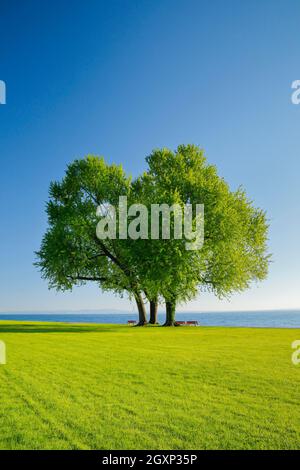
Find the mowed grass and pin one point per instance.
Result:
(117, 387)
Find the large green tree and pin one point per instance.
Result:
(233, 255)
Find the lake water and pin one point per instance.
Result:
(264, 319)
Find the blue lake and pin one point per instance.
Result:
(266, 319)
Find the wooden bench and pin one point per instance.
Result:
(181, 322)
(131, 322)
(192, 323)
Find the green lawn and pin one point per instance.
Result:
(118, 387)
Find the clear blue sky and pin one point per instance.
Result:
(119, 78)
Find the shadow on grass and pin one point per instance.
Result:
(58, 328)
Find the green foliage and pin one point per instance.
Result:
(235, 242)
(70, 253)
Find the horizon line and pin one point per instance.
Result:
(126, 312)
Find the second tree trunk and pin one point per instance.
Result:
(153, 312)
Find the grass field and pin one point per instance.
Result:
(117, 387)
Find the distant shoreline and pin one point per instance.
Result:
(128, 312)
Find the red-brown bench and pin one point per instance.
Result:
(131, 322)
(192, 323)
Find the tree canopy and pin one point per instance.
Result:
(233, 253)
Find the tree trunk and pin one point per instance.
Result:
(170, 313)
(153, 312)
(141, 309)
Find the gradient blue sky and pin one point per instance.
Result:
(119, 78)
